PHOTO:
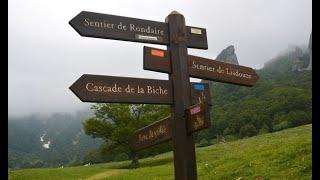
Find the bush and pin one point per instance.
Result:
(228, 131)
(248, 130)
(121, 157)
(203, 142)
(214, 141)
(96, 156)
(264, 129)
(280, 126)
(231, 138)
(298, 118)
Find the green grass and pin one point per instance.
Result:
(281, 155)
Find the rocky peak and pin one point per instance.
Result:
(310, 42)
(309, 68)
(303, 60)
(228, 55)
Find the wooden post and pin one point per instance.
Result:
(183, 145)
(135, 160)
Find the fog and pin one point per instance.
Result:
(46, 55)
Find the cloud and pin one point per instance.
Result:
(46, 55)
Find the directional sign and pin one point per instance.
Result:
(201, 68)
(219, 71)
(155, 133)
(111, 89)
(90, 24)
(198, 118)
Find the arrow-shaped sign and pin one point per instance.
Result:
(159, 60)
(112, 89)
(96, 88)
(90, 24)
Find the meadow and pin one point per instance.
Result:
(285, 154)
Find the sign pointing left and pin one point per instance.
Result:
(90, 24)
(106, 26)
(112, 89)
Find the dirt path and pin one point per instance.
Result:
(105, 174)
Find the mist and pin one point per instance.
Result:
(46, 55)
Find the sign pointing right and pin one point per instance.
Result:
(159, 60)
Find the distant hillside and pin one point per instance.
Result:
(58, 140)
(280, 99)
(288, 69)
(285, 154)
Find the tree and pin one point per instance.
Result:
(116, 123)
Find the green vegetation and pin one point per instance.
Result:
(116, 124)
(68, 143)
(280, 99)
(281, 155)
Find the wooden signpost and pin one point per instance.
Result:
(189, 102)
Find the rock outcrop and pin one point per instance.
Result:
(309, 68)
(228, 55)
(307, 57)
(296, 57)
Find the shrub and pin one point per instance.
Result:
(298, 118)
(280, 126)
(264, 129)
(231, 138)
(248, 130)
(228, 131)
(121, 157)
(203, 142)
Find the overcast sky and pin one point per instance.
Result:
(46, 55)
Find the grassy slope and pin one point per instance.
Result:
(281, 155)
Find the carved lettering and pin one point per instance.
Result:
(98, 24)
(129, 89)
(132, 27)
(148, 29)
(156, 90)
(98, 88)
(236, 73)
(228, 71)
(152, 133)
(202, 67)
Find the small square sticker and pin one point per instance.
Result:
(198, 87)
(155, 52)
(196, 31)
(195, 110)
